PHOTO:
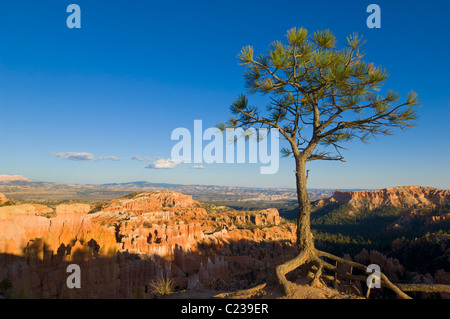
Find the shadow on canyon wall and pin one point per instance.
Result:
(40, 273)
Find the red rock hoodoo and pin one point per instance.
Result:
(123, 245)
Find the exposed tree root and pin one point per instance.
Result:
(318, 273)
(385, 282)
(283, 269)
(314, 256)
(425, 288)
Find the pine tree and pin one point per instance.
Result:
(319, 97)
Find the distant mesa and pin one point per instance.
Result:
(401, 196)
(13, 178)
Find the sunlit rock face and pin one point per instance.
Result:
(403, 196)
(3, 199)
(123, 245)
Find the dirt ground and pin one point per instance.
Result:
(263, 291)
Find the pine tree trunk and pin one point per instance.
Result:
(305, 241)
(304, 235)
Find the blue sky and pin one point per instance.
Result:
(136, 70)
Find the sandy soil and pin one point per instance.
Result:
(264, 291)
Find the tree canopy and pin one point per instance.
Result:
(319, 95)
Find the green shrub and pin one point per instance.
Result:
(5, 285)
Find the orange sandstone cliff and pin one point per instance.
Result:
(402, 196)
(123, 245)
(3, 199)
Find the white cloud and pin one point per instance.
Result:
(84, 156)
(163, 163)
(112, 158)
(75, 156)
(142, 159)
(198, 167)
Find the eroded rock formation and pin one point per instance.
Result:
(403, 196)
(125, 244)
(3, 199)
